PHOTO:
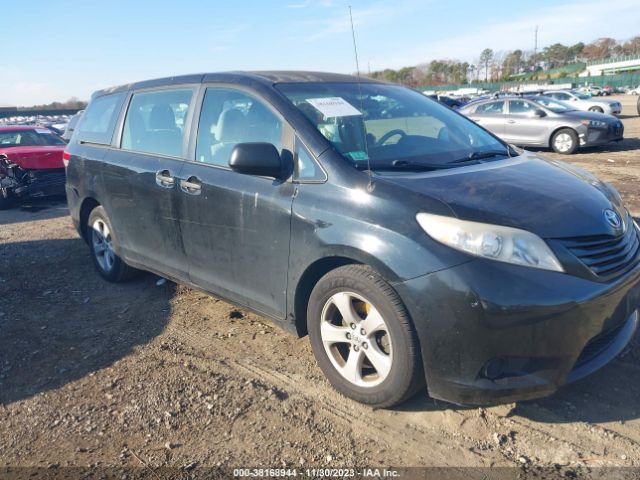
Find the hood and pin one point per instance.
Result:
(36, 157)
(583, 115)
(549, 198)
(603, 101)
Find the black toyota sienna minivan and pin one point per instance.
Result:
(411, 245)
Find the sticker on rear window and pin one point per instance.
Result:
(334, 107)
(43, 130)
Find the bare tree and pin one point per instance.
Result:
(485, 59)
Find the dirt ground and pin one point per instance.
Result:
(97, 375)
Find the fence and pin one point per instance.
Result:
(629, 78)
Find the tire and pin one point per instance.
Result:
(596, 109)
(565, 141)
(638, 106)
(396, 374)
(103, 246)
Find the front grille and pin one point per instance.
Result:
(598, 344)
(616, 129)
(607, 256)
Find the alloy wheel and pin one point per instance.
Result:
(102, 242)
(563, 142)
(356, 339)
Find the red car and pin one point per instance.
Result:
(31, 163)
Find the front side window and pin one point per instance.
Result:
(229, 117)
(520, 107)
(389, 127)
(155, 122)
(306, 167)
(99, 119)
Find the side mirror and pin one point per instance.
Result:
(257, 158)
(539, 113)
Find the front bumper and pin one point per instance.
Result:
(591, 137)
(493, 333)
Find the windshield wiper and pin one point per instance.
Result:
(405, 165)
(474, 156)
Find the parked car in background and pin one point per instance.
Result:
(31, 163)
(411, 245)
(634, 90)
(595, 90)
(544, 122)
(453, 103)
(71, 126)
(608, 90)
(582, 101)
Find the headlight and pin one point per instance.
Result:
(594, 123)
(504, 244)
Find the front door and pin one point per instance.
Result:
(236, 227)
(523, 126)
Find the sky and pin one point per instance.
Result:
(55, 50)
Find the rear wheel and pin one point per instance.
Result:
(103, 248)
(596, 109)
(565, 141)
(362, 337)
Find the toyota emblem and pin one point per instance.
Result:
(613, 218)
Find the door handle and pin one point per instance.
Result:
(191, 186)
(164, 179)
(511, 121)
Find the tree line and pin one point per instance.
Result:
(493, 65)
(72, 104)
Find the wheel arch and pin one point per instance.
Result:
(87, 206)
(319, 268)
(557, 129)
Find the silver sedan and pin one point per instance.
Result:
(583, 101)
(543, 122)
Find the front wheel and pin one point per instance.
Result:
(363, 338)
(596, 109)
(565, 141)
(103, 248)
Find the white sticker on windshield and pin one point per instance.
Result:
(334, 107)
(43, 130)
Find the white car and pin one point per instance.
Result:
(634, 91)
(582, 101)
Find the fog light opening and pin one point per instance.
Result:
(494, 368)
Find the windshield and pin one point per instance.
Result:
(390, 126)
(29, 138)
(581, 96)
(553, 105)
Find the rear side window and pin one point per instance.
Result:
(155, 122)
(100, 118)
(491, 108)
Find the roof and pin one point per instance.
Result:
(292, 76)
(268, 77)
